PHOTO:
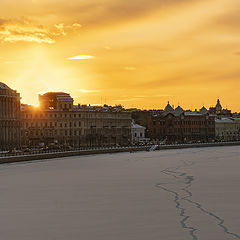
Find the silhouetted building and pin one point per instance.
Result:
(56, 101)
(58, 122)
(219, 111)
(141, 117)
(177, 125)
(9, 118)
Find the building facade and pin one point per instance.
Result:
(138, 133)
(227, 129)
(59, 122)
(9, 118)
(178, 126)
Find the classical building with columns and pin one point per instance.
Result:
(10, 123)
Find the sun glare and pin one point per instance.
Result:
(41, 73)
(81, 57)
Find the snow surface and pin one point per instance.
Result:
(163, 195)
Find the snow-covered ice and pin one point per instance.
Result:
(164, 195)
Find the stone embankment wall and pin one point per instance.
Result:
(41, 156)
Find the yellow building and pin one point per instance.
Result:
(227, 128)
(59, 122)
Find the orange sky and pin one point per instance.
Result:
(138, 53)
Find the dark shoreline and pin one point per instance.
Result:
(42, 156)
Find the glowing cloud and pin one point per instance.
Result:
(81, 57)
(87, 91)
(25, 30)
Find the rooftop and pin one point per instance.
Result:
(4, 86)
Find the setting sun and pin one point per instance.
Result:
(158, 51)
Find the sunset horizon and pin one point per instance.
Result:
(140, 54)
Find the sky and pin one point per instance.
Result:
(138, 53)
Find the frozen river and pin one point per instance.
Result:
(186, 194)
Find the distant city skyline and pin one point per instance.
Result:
(136, 53)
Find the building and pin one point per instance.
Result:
(138, 133)
(227, 129)
(179, 126)
(58, 122)
(9, 118)
(219, 111)
(140, 116)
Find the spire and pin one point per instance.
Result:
(218, 106)
(168, 108)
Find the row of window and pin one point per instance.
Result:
(73, 115)
(138, 135)
(228, 133)
(162, 123)
(65, 106)
(53, 124)
(51, 133)
(56, 133)
(67, 124)
(51, 115)
(184, 130)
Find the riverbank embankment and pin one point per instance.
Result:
(50, 155)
